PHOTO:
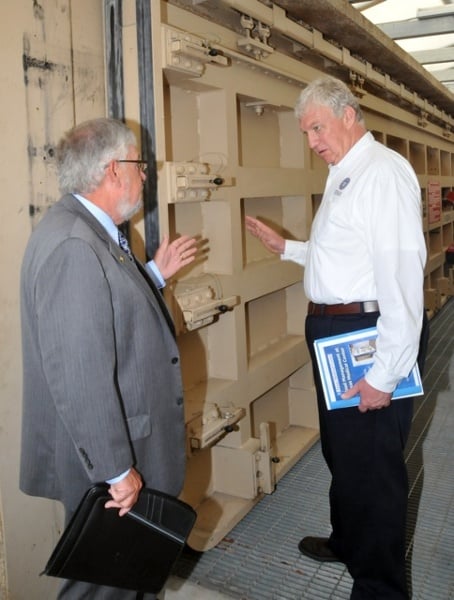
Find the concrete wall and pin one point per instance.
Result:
(52, 76)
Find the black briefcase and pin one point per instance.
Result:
(135, 552)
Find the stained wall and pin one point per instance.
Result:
(52, 76)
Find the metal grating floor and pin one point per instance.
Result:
(259, 559)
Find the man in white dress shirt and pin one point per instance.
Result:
(364, 266)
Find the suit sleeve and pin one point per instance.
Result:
(78, 347)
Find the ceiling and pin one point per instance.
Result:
(343, 22)
(358, 27)
(423, 28)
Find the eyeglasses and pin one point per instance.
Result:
(141, 164)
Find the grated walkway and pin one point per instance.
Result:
(259, 559)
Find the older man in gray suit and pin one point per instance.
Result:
(103, 397)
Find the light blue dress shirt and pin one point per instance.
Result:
(112, 230)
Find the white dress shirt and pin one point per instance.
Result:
(367, 243)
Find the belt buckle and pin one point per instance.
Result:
(370, 306)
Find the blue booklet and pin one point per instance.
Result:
(345, 359)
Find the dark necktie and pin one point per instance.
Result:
(123, 243)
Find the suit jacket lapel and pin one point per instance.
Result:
(157, 294)
(134, 268)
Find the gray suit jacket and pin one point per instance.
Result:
(102, 386)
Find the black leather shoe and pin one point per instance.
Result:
(318, 549)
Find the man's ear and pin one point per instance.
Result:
(349, 116)
(111, 168)
(112, 175)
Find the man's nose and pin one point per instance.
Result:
(312, 139)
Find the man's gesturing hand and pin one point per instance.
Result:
(269, 238)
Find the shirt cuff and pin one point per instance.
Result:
(151, 265)
(294, 251)
(119, 478)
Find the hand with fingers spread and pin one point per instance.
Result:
(270, 239)
(125, 492)
(170, 257)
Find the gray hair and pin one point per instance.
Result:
(84, 152)
(330, 92)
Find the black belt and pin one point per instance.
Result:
(353, 308)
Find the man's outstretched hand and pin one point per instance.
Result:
(269, 238)
(170, 257)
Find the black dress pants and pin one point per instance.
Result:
(369, 486)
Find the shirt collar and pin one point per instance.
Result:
(357, 148)
(102, 217)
